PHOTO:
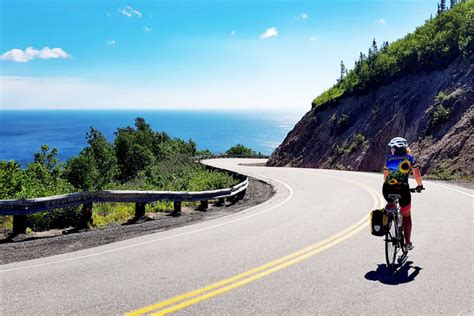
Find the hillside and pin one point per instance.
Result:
(432, 106)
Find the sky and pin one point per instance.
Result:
(183, 54)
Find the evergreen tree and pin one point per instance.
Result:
(373, 50)
(343, 71)
(453, 3)
(442, 5)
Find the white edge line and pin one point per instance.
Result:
(449, 188)
(168, 237)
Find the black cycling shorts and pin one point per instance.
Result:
(402, 189)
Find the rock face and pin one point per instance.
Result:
(433, 111)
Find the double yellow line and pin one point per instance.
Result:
(182, 301)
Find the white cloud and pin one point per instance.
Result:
(314, 38)
(128, 11)
(110, 42)
(147, 29)
(381, 21)
(108, 14)
(17, 55)
(232, 33)
(270, 32)
(303, 16)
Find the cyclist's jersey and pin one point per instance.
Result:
(399, 167)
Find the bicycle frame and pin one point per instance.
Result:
(398, 240)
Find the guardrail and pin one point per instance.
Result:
(22, 207)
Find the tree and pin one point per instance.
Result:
(373, 50)
(82, 173)
(11, 178)
(453, 3)
(343, 72)
(103, 157)
(48, 160)
(442, 6)
(240, 150)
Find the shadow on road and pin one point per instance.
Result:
(406, 273)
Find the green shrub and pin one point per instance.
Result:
(241, 150)
(340, 121)
(441, 96)
(440, 115)
(348, 147)
(442, 173)
(55, 219)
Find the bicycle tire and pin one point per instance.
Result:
(391, 244)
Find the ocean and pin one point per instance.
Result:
(23, 132)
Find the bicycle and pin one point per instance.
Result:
(395, 237)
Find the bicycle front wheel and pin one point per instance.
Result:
(391, 245)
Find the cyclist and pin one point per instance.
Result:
(396, 170)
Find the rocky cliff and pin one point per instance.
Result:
(434, 111)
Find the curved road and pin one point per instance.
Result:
(307, 250)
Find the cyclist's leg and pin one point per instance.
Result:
(405, 208)
(406, 213)
(386, 190)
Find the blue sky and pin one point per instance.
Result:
(188, 54)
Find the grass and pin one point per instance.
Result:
(443, 174)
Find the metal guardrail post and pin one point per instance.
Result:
(19, 224)
(221, 201)
(139, 210)
(86, 218)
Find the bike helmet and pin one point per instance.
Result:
(398, 142)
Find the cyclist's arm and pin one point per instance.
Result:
(385, 172)
(417, 174)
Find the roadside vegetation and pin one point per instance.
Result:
(138, 159)
(436, 44)
(240, 150)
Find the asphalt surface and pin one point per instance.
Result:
(307, 250)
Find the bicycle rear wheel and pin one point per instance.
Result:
(391, 244)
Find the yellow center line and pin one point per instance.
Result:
(259, 275)
(239, 280)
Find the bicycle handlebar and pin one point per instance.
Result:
(415, 190)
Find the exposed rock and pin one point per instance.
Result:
(353, 132)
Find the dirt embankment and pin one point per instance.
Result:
(434, 111)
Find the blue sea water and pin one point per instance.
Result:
(23, 132)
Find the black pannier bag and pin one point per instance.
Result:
(379, 222)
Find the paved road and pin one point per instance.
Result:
(307, 250)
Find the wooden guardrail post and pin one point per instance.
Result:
(177, 208)
(221, 201)
(19, 224)
(86, 218)
(139, 210)
(241, 195)
(204, 205)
